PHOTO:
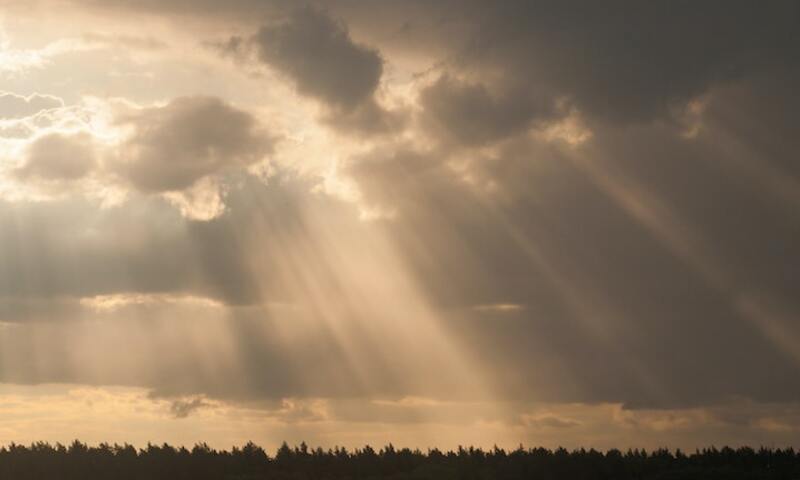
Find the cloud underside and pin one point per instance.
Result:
(191, 138)
(574, 205)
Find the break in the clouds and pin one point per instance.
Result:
(540, 222)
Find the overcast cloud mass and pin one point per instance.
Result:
(431, 223)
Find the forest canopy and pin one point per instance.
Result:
(81, 461)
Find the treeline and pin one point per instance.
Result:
(42, 461)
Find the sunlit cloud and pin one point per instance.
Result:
(499, 307)
(16, 62)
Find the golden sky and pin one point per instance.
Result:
(425, 223)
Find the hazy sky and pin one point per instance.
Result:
(426, 222)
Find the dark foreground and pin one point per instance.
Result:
(78, 461)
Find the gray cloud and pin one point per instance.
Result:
(399, 176)
(317, 53)
(14, 309)
(598, 282)
(143, 246)
(552, 421)
(611, 314)
(58, 157)
(174, 146)
(469, 114)
(612, 311)
(184, 408)
(621, 61)
(632, 254)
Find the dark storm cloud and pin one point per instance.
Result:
(190, 138)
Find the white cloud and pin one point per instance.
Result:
(17, 106)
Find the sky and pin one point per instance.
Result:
(430, 223)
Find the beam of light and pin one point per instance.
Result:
(683, 242)
(776, 323)
(595, 315)
(665, 226)
(744, 160)
(353, 281)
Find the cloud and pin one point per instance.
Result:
(122, 249)
(58, 157)
(183, 408)
(549, 421)
(633, 245)
(186, 151)
(397, 177)
(203, 201)
(621, 62)
(317, 53)
(600, 275)
(624, 62)
(18, 63)
(594, 281)
(468, 114)
(131, 42)
(15, 310)
(18, 106)
(172, 147)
